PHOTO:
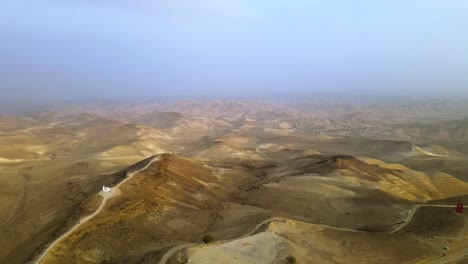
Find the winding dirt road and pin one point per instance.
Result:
(106, 196)
(413, 211)
(458, 255)
(115, 192)
(177, 248)
(408, 219)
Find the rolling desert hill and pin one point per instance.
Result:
(237, 181)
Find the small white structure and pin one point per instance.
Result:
(106, 189)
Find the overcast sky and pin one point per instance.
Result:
(55, 49)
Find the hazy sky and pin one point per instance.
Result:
(55, 49)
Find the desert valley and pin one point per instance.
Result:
(235, 181)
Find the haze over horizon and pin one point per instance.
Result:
(80, 49)
(233, 131)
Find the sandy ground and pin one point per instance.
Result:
(105, 197)
(265, 183)
(460, 255)
(266, 247)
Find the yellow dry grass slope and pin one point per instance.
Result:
(169, 200)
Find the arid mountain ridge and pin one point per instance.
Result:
(238, 171)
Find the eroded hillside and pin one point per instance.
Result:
(259, 181)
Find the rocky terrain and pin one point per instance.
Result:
(234, 181)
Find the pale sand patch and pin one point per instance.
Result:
(262, 248)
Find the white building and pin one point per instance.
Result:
(106, 189)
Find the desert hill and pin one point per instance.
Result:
(341, 175)
(178, 200)
(169, 201)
